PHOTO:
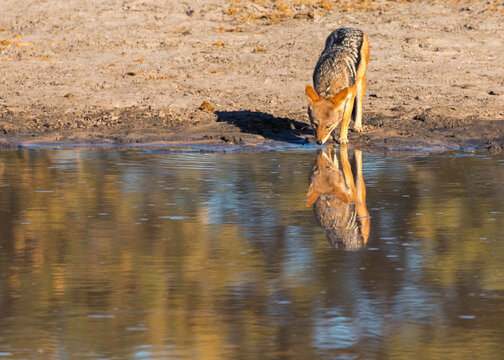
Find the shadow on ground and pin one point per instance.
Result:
(266, 125)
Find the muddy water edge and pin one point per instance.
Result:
(137, 253)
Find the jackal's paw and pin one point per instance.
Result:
(357, 128)
(343, 141)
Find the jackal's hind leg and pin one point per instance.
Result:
(357, 111)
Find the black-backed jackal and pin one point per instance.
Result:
(339, 202)
(339, 82)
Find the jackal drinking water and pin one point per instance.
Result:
(339, 82)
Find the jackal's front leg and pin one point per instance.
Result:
(346, 118)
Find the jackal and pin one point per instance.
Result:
(339, 202)
(340, 81)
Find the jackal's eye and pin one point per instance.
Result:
(328, 126)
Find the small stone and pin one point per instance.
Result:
(259, 49)
(493, 147)
(421, 117)
(206, 106)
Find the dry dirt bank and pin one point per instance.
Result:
(136, 71)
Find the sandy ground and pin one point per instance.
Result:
(233, 72)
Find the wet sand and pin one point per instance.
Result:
(232, 73)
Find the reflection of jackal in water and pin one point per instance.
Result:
(338, 201)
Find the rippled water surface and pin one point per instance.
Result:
(134, 254)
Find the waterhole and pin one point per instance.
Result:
(329, 254)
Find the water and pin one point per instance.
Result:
(131, 254)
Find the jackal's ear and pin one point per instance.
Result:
(311, 94)
(340, 97)
(311, 197)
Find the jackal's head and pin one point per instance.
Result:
(325, 114)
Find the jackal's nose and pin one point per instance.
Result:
(319, 142)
